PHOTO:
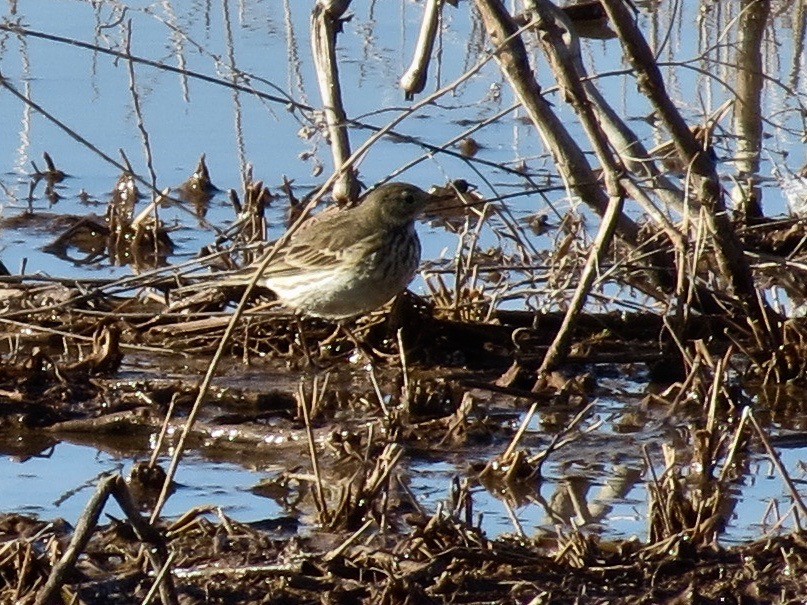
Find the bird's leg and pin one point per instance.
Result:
(328, 341)
(343, 330)
(303, 342)
(374, 356)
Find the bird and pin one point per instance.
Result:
(342, 264)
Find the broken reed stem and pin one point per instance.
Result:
(335, 552)
(657, 489)
(520, 432)
(560, 346)
(383, 468)
(158, 579)
(563, 438)
(158, 446)
(458, 269)
(404, 366)
(471, 266)
(714, 392)
(141, 125)
(779, 518)
(377, 389)
(319, 492)
(774, 456)
(735, 443)
(511, 514)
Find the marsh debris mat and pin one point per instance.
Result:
(347, 427)
(432, 559)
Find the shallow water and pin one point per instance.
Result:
(185, 117)
(88, 92)
(598, 483)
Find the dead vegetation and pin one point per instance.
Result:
(687, 294)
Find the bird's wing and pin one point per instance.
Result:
(322, 244)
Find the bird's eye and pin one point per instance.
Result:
(408, 197)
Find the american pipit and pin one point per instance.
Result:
(346, 263)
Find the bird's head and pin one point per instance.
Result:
(397, 204)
